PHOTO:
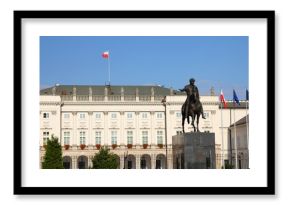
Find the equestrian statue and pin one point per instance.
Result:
(192, 106)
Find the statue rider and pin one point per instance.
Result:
(190, 90)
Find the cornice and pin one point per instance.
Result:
(50, 103)
(120, 103)
(108, 103)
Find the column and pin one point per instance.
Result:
(106, 129)
(170, 159)
(152, 139)
(90, 137)
(90, 161)
(40, 162)
(137, 129)
(122, 131)
(74, 162)
(122, 157)
(74, 131)
(170, 125)
(153, 161)
(138, 161)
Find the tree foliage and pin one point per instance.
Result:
(105, 160)
(53, 155)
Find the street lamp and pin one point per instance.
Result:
(164, 104)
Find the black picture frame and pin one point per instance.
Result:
(19, 189)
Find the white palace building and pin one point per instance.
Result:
(134, 122)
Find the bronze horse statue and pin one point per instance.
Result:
(192, 107)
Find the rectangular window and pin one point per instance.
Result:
(82, 115)
(45, 137)
(46, 115)
(82, 137)
(66, 115)
(159, 137)
(159, 115)
(98, 115)
(46, 134)
(144, 115)
(98, 137)
(129, 115)
(145, 137)
(178, 132)
(129, 137)
(113, 115)
(66, 138)
(206, 114)
(45, 140)
(178, 114)
(114, 137)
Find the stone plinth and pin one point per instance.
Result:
(194, 150)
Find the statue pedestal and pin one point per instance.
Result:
(194, 150)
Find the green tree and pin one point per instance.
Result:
(53, 155)
(105, 160)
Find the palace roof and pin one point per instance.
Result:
(112, 90)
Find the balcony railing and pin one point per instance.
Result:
(67, 98)
(129, 98)
(100, 98)
(158, 98)
(144, 98)
(114, 98)
(82, 98)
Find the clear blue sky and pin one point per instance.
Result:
(218, 61)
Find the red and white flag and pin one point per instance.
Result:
(222, 99)
(105, 54)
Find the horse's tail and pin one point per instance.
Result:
(187, 119)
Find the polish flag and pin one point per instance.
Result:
(222, 99)
(105, 54)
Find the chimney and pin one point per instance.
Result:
(74, 93)
(212, 92)
(90, 94)
(53, 91)
(137, 94)
(171, 91)
(152, 94)
(122, 93)
(106, 93)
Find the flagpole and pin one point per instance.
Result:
(109, 71)
(247, 126)
(222, 158)
(236, 153)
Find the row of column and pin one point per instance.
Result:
(74, 161)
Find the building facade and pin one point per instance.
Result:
(135, 122)
(239, 140)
